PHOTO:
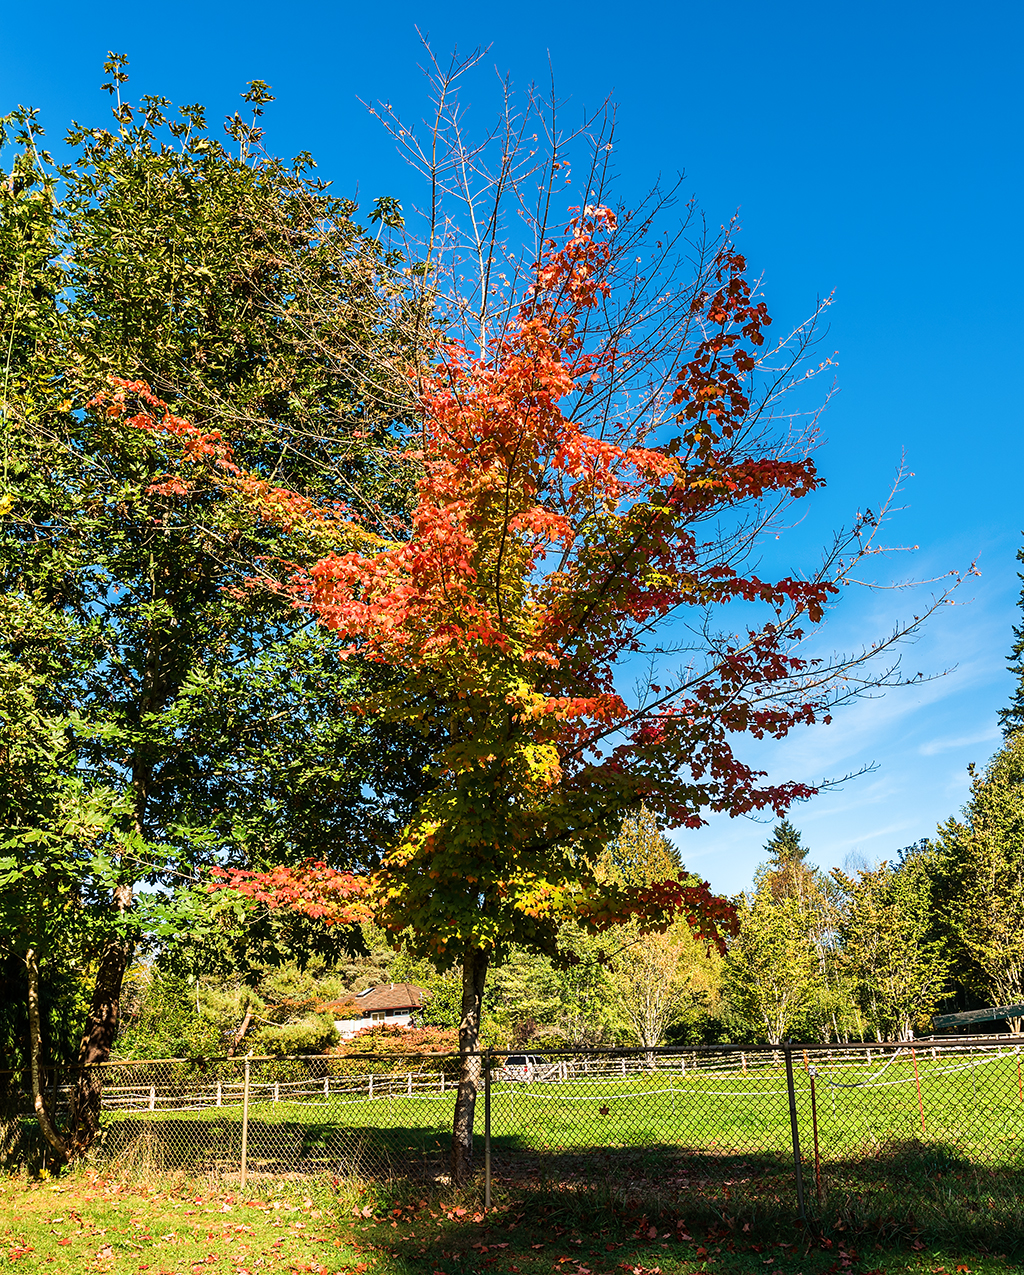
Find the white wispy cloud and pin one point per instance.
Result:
(934, 746)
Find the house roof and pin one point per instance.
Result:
(386, 996)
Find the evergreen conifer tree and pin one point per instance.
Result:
(1011, 718)
(786, 875)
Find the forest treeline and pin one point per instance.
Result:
(166, 711)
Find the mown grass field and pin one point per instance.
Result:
(970, 1109)
(84, 1222)
(91, 1223)
(710, 1145)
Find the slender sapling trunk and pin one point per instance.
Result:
(35, 1040)
(474, 973)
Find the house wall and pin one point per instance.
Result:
(392, 1018)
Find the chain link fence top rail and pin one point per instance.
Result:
(879, 1123)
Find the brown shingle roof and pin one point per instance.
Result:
(387, 996)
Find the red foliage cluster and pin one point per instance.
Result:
(390, 1040)
(208, 452)
(541, 556)
(313, 889)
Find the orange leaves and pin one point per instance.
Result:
(208, 453)
(313, 889)
(545, 550)
(157, 418)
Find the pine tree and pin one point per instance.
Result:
(981, 881)
(786, 875)
(803, 897)
(1011, 718)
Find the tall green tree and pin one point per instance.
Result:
(787, 874)
(1011, 718)
(980, 881)
(655, 978)
(771, 975)
(237, 286)
(781, 973)
(891, 953)
(57, 835)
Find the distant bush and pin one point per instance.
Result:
(390, 1041)
(309, 1035)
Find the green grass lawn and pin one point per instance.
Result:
(915, 1146)
(973, 1108)
(88, 1223)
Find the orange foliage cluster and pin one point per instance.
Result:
(540, 558)
(210, 453)
(313, 889)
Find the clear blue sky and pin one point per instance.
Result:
(873, 150)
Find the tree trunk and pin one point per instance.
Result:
(35, 1042)
(474, 972)
(100, 1032)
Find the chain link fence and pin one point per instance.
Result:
(918, 1125)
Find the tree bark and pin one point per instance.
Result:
(474, 973)
(35, 1042)
(100, 1032)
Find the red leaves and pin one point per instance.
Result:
(709, 916)
(207, 453)
(544, 550)
(313, 889)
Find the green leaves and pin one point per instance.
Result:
(980, 880)
(892, 952)
(179, 717)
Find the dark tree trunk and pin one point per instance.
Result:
(474, 972)
(100, 1032)
(35, 1042)
(105, 1009)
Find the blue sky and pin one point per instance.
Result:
(871, 150)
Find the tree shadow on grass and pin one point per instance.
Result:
(904, 1192)
(274, 1148)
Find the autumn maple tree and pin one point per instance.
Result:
(542, 558)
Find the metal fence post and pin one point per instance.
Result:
(812, 1072)
(787, 1050)
(245, 1119)
(487, 1129)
